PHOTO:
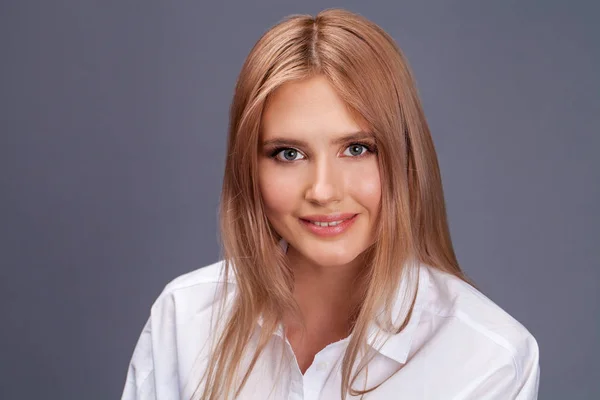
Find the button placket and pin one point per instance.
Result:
(321, 366)
(317, 374)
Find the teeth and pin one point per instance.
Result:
(333, 223)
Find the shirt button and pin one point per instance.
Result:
(322, 366)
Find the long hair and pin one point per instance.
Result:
(371, 75)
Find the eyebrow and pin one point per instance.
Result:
(359, 135)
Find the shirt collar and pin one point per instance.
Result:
(397, 345)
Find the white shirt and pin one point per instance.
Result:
(458, 345)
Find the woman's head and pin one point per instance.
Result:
(315, 80)
(369, 87)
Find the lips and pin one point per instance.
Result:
(328, 225)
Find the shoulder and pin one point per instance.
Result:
(179, 326)
(193, 291)
(212, 273)
(472, 319)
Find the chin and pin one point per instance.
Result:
(332, 258)
(328, 253)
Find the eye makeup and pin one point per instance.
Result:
(370, 148)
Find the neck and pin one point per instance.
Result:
(326, 294)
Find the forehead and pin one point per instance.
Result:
(307, 107)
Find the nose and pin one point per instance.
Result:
(325, 184)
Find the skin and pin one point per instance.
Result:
(324, 174)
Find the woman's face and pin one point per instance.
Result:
(317, 163)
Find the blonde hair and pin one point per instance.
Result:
(371, 75)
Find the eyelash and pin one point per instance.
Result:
(370, 148)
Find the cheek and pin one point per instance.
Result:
(278, 191)
(365, 186)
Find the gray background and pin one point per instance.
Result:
(113, 124)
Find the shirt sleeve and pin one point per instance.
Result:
(139, 384)
(528, 385)
(516, 381)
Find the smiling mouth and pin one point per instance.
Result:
(328, 225)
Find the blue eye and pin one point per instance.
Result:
(287, 154)
(356, 150)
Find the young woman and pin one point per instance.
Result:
(339, 279)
